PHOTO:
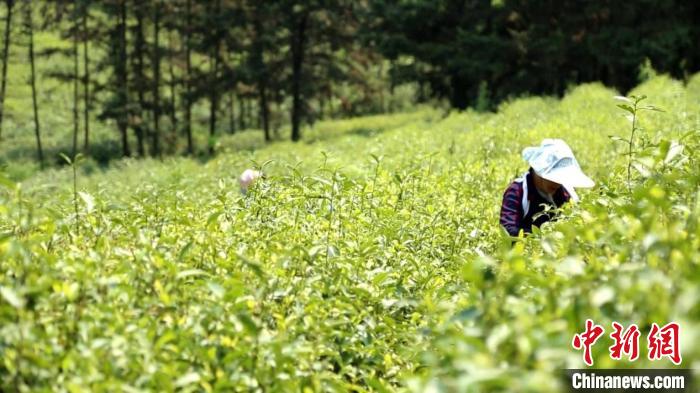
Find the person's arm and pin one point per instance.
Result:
(561, 197)
(511, 209)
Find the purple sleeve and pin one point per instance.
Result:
(511, 209)
(565, 195)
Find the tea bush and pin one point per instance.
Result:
(369, 259)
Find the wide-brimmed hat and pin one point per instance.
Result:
(554, 161)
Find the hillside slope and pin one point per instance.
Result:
(369, 259)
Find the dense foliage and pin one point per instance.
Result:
(476, 53)
(369, 259)
(113, 78)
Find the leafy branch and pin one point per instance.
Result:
(632, 104)
(73, 164)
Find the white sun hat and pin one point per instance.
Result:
(554, 161)
(248, 178)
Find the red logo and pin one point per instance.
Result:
(627, 343)
(586, 340)
(662, 342)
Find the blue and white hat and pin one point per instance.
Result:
(554, 161)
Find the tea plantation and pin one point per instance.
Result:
(369, 258)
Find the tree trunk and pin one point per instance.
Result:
(259, 64)
(173, 103)
(278, 110)
(241, 113)
(321, 106)
(258, 118)
(392, 85)
(331, 113)
(231, 114)
(188, 82)
(5, 57)
(380, 74)
(32, 81)
(122, 76)
(138, 123)
(298, 42)
(264, 112)
(213, 99)
(76, 82)
(86, 80)
(214, 78)
(248, 113)
(156, 81)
